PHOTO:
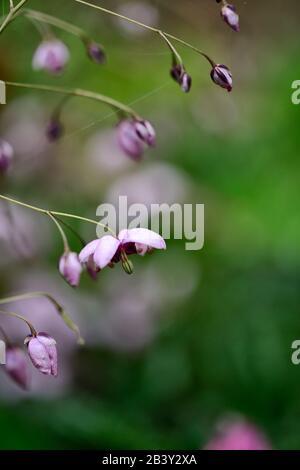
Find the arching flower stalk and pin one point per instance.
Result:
(142, 132)
(178, 72)
(58, 307)
(95, 50)
(105, 251)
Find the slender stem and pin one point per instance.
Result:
(12, 314)
(12, 12)
(61, 214)
(69, 227)
(173, 49)
(150, 28)
(61, 231)
(59, 308)
(53, 21)
(78, 92)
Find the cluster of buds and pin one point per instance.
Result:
(230, 16)
(134, 136)
(107, 251)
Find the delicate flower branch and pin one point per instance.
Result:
(120, 107)
(16, 315)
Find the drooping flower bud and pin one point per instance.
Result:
(96, 52)
(42, 352)
(129, 141)
(179, 74)
(6, 156)
(54, 129)
(51, 55)
(230, 16)
(70, 268)
(222, 76)
(145, 132)
(17, 366)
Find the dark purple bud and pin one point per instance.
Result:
(42, 352)
(230, 16)
(221, 75)
(17, 366)
(145, 132)
(179, 74)
(129, 141)
(70, 268)
(96, 53)
(6, 156)
(54, 130)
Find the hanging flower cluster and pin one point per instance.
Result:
(134, 134)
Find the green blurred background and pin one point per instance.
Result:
(192, 336)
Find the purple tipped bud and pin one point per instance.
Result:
(230, 16)
(54, 130)
(70, 268)
(221, 75)
(6, 156)
(42, 352)
(51, 55)
(17, 366)
(179, 74)
(146, 132)
(96, 53)
(129, 141)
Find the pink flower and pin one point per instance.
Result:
(222, 76)
(238, 435)
(6, 155)
(134, 136)
(17, 367)
(51, 55)
(110, 250)
(42, 352)
(230, 16)
(70, 268)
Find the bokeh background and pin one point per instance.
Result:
(192, 336)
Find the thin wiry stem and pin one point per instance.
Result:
(59, 308)
(13, 314)
(61, 231)
(150, 28)
(80, 93)
(53, 21)
(60, 214)
(13, 10)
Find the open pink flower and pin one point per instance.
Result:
(51, 55)
(109, 250)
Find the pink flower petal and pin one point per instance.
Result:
(88, 250)
(143, 236)
(106, 250)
